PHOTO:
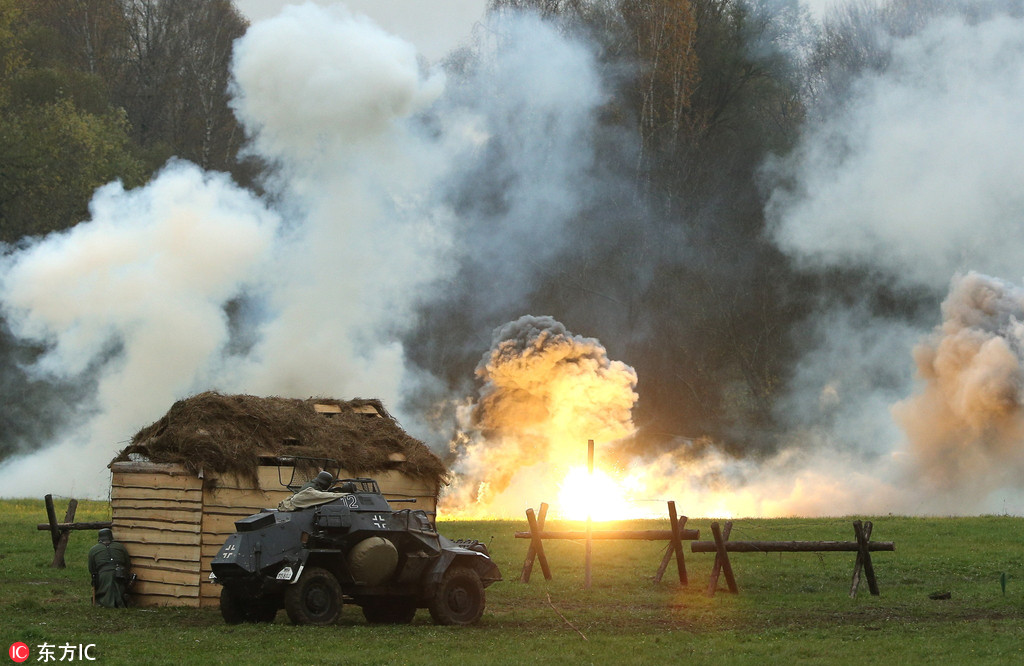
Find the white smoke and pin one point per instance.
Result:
(332, 99)
(526, 111)
(138, 292)
(920, 173)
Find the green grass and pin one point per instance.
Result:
(792, 608)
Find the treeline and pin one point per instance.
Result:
(97, 90)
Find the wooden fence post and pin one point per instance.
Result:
(65, 534)
(675, 546)
(531, 553)
(51, 517)
(863, 533)
(721, 559)
(538, 546)
(590, 531)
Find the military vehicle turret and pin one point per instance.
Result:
(348, 546)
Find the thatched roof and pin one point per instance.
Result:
(230, 433)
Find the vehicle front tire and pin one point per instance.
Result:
(459, 598)
(314, 599)
(232, 607)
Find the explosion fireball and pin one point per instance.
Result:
(544, 393)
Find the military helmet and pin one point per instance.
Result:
(324, 480)
(106, 535)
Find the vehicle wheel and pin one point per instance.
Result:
(232, 607)
(315, 599)
(390, 611)
(459, 598)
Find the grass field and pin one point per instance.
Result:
(792, 608)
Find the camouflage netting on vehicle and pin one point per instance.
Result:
(230, 433)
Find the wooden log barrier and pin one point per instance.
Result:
(538, 534)
(61, 532)
(634, 535)
(93, 525)
(790, 546)
(863, 546)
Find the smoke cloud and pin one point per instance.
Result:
(918, 175)
(966, 427)
(133, 301)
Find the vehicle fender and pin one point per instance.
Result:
(452, 554)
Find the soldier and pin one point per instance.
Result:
(315, 491)
(321, 482)
(108, 565)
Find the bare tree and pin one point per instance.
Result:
(176, 79)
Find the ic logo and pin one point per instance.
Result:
(18, 652)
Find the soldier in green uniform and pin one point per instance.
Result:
(108, 565)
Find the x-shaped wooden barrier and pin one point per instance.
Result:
(675, 537)
(721, 546)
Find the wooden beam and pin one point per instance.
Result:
(97, 525)
(858, 564)
(590, 531)
(51, 520)
(677, 543)
(675, 547)
(531, 554)
(634, 535)
(789, 546)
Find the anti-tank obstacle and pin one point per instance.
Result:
(863, 546)
(720, 546)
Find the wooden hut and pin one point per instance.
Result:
(182, 482)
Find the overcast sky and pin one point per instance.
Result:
(434, 27)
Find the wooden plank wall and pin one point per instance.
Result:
(156, 513)
(396, 485)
